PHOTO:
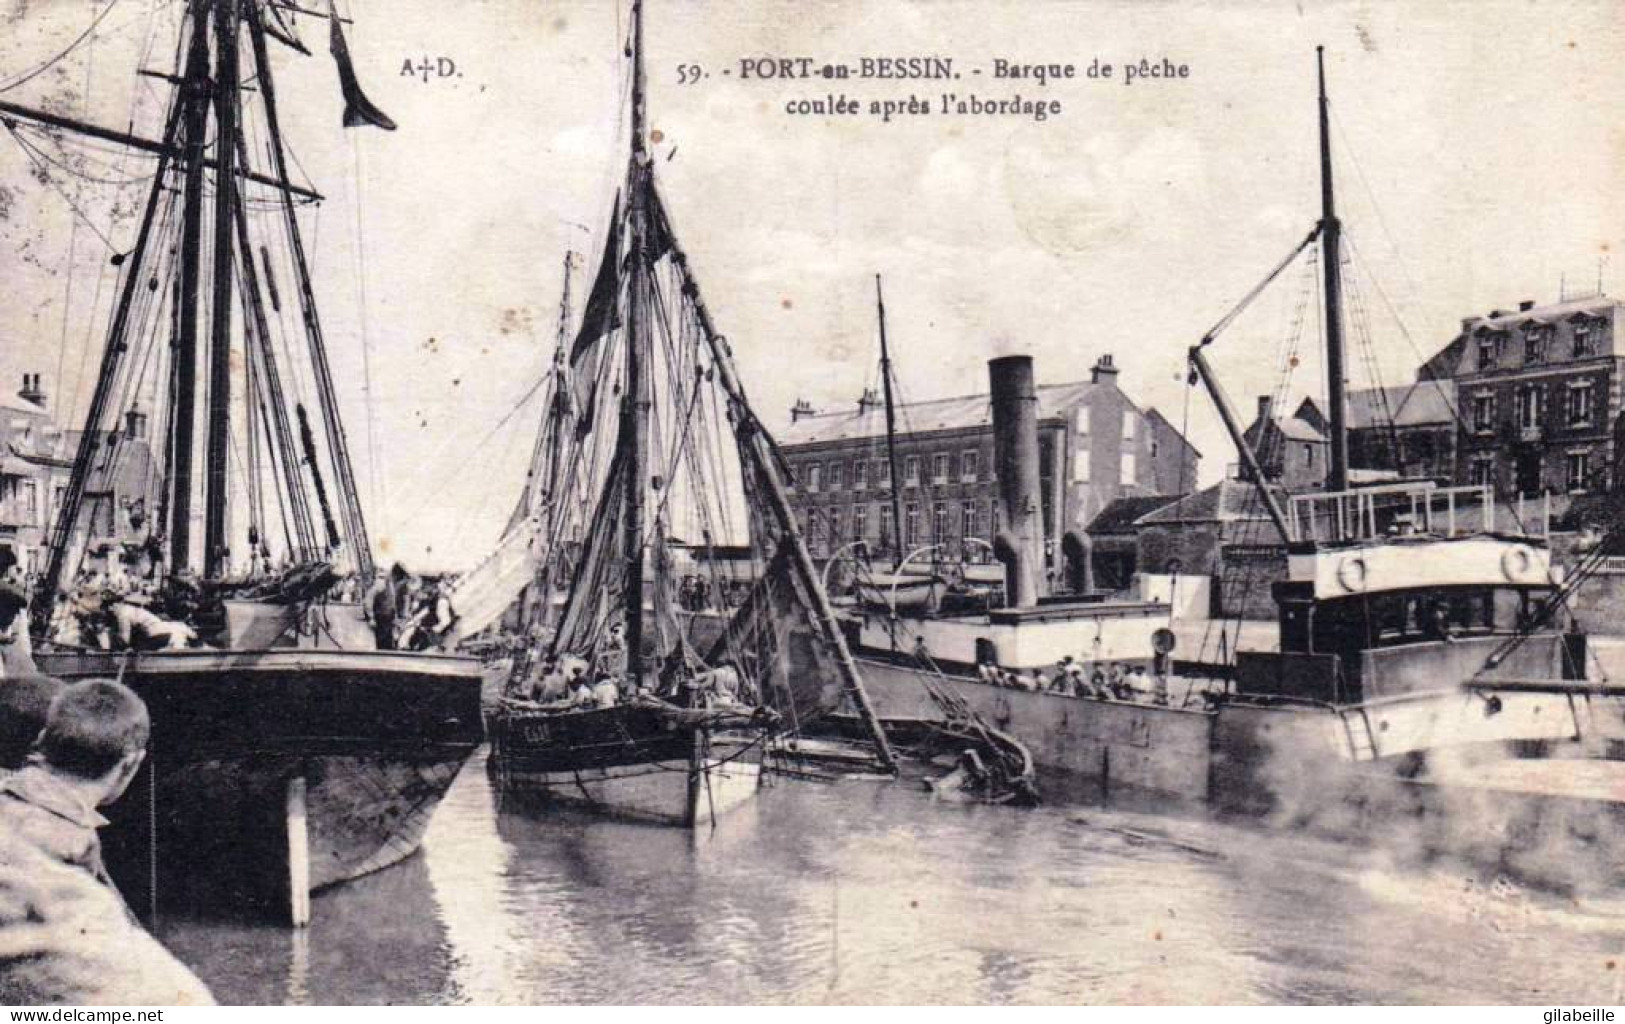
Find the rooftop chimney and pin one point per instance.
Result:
(1266, 408)
(135, 424)
(1015, 459)
(1526, 305)
(1103, 368)
(31, 390)
(801, 410)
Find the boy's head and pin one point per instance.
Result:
(24, 704)
(96, 730)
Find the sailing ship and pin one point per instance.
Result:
(288, 751)
(626, 710)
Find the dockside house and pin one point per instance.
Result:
(1095, 445)
(1539, 392)
(36, 459)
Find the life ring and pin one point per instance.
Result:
(1516, 563)
(1351, 573)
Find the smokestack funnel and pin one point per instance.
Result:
(1015, 455)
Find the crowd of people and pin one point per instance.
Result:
(698, 594)
(68, 751)
(1103, 681)
(572, 683)
(409, 613)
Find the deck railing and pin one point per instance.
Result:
(1402, 509)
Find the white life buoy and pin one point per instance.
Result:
(1516, 562)
(1351, 573)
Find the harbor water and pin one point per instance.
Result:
(869, 891)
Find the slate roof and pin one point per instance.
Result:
(961, 412)
(1120, 515)
(1226, 501)
(1411, 405)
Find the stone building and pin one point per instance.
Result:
(1095, 445)
(1539, 393)
(36, 459)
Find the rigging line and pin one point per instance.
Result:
(30, 75)
(67, 168)
(1247, 300)
(1348, 151)
(41, 163)
(374, 480)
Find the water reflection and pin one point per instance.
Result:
(868, 892)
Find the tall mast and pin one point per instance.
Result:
(225, 198)
(66, 515)
(891, 434)
(349, 501)
(1331, 233)
(634, 430)
(196, 91)
(560, 405)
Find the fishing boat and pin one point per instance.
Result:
(288, 751)
(625, 710)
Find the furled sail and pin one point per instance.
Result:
(358, 110)
(601, 317)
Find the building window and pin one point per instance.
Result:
(1578, 470)
(1583, 347)
(887, 527)
(1129, 416)
(860, 474)
(835, 475)
(1528, 407)
(1153, 449)
(1487, 352)
(1534, 345)
(1128, 475)
(911, 524)
(815, 476)
(1080, 420)
(1309, 454)
(939, 469)
(1580, 403)
(967, 520)
(883, 472)
(1484, 412)
(939, 522)
(1482, 472)
(1080, 466)
(911, 471)
(30, 500)
(860, 521)
(815, 532)
(836, 538)
(967, 467)
(993, 523)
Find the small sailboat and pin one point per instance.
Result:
(628, 708)
(288, 751)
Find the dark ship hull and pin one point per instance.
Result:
(274, 773)
(648, 762)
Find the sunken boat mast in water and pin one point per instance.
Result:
(293, 746)
(659, 433)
